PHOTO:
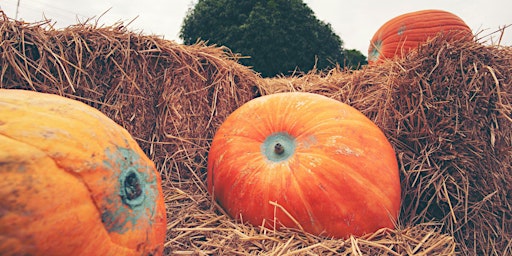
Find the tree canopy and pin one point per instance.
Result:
(278, 36)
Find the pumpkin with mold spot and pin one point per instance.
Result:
(74, 182)
(400, 35)
(306, 161)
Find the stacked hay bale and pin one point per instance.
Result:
(447, 109)
(168, 96)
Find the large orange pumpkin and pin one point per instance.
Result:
(303, 160)
(400, 35)
(74, 182)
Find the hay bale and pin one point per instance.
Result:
(170, 97)
(447, 110)
(202, 228)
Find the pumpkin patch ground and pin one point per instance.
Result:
(445, 109)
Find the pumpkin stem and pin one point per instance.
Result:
(132, 186)
(278, 146)
(278, 149)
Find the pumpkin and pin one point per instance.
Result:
(303, 160)
(400, 35)
(74, 182)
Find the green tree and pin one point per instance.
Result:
(353, 59)
(279, 36)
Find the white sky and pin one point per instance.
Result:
(354, 21)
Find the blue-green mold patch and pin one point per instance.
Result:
(278, 146)
(136, 192)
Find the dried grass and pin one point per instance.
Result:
(446, 111)
(201, 228)
(170, 97)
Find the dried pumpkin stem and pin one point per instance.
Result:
(278, 149)
(132, 186)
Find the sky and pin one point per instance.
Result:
(354, 22)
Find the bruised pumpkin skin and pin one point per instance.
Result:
(74, 182)
(304, 157)
(400, 35)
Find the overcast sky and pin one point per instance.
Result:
(354, 21)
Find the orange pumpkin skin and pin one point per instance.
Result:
(74, 182)
(337, 175)
(400, 35)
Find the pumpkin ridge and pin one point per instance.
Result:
(81, 180)
(328, 187)
(43, 156)
(255, 135)
(267, 195)
(324, 185)
(47, 114)
(74, 174)
(346, 122)
(312, 218)
(70, 108)
(418, 33)
(410, 41)
(237, 184)
(352, 119)
(360, 179)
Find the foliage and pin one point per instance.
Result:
(353, 59)
(278, 36)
